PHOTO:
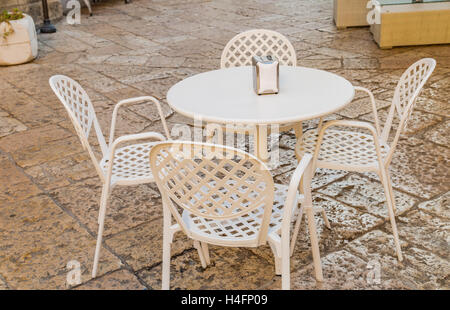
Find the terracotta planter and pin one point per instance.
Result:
(20, 46)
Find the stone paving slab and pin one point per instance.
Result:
(377, 248)
(117, 280)
(367, 196)
(347, 223)
(62, 172)
(50, 193)
(438, 134)
(15, 185)
(142, 246)
(439, 206)
(9, 124)
(38, 240)
(231, 268)
(3, 285)
(420, 168)
(430, 232)
(125, 209)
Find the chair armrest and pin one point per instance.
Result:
(139, 136)
(374, 106)
(127, 138)
(134, 101)
(347, 123)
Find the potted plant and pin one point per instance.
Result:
(18, 39)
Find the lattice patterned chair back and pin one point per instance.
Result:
(406, 92)
(213, 182)
(81, 113)
(241, 48)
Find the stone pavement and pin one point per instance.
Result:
(49, 191)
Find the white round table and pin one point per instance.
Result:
(226, 96)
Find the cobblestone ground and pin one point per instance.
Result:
(49, 191)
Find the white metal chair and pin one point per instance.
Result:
(257, 42)
(224, 196)
(362, 152)
(120, 165)
(239, 52)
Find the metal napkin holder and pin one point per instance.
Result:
(266, 74)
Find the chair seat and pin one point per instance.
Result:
(341, 149)
(131, 164)
(240, 230)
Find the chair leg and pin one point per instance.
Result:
(205, 251)
(296, 230)
(285, 269)
(101, 224)
(300, 212)
(198, 246)
(314, 243)
(167, 240)
(391, 190)
(88, 4)
(298, 222)
(325, 218)
(280, 248)
(103, 203)
(390, 205)
(275, 247)
(278, 265)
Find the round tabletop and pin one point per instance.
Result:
(227, 96)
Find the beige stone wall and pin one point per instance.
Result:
(34, 8)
